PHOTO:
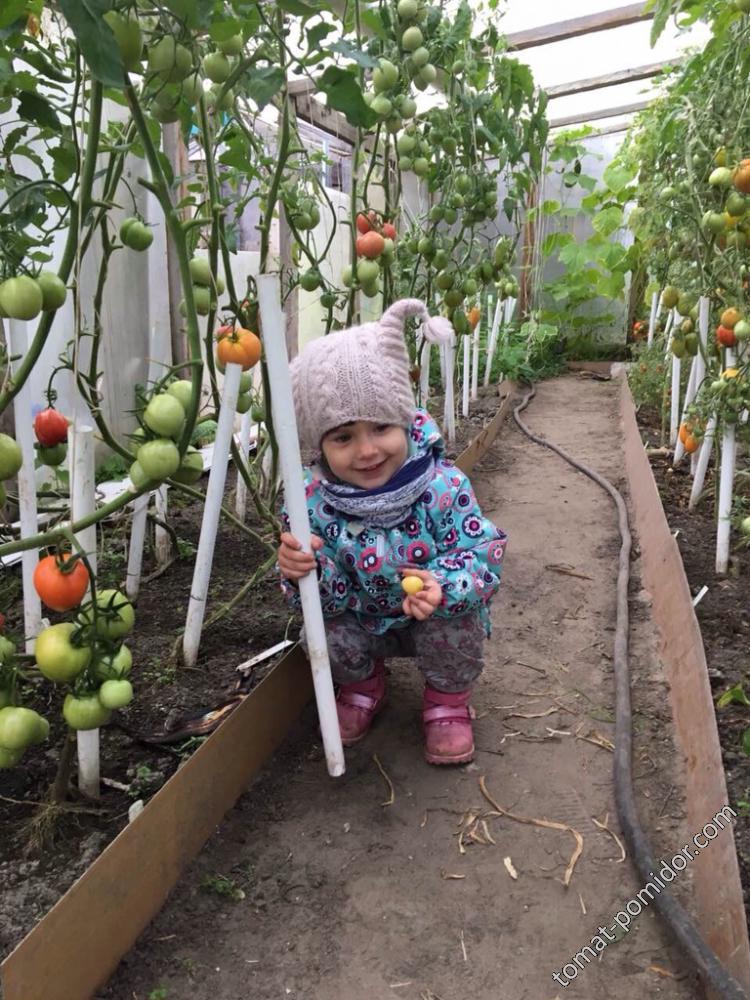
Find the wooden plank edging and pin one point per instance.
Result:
(718, 889)
(77, 945)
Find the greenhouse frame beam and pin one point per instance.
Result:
(582, 117)
(610, 79)
(572, 28)
(310, 110)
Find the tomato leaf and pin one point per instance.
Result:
(734, 696)
(343, 93)
(33, 108)
(95, 39)
(264, 83)
(350, 51)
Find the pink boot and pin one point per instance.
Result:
(357, 705)
(447, 727)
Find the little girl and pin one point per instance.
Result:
(383, 504)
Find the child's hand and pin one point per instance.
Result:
(422, 604)
(293, 562)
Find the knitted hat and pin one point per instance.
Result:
(360, 374)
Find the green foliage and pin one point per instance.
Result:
(114, 467)
(648, 374)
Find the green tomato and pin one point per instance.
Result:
(170, 60)
(191, 468)
(453, 298)
(736, 204)
(182, 390)
(411, 39)
(381, 106)
(246, 381)
(165, 415)
(116, 693)
(407, 9)
(445, 280)
(56, 656)
(742, 330)
(54, 455)
(745, 526)
(53, 289)
(217, 67)
(258, 414)
(113, 666)
(159, 459)
(469, 286)
(428, 74)
(9, 758)
(405, 144)
(347, 276)
(11, 457)
(720, 177)
(368, 271)
(420, 57)
(21, 298)
(137, 235)
(127, 32)
(421, 166)
(204, 299)
(371, 290)
(84, 713)
(200, 271)
(244, 402)
(7, 649)
(115, 615)
(310, 280)
(138, 477)
(20, 727)
(192, 88)
(232, 46)
(385, 75)
(408, 107)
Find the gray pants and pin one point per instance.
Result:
(448, 650)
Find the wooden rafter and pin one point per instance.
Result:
(575, 26)
(610, 79)
(590, 116)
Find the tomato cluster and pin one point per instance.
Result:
(24, 297)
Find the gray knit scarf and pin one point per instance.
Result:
(386, 505)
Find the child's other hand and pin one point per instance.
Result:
(422, 604)
(293, 562)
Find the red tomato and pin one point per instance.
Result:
(363, 223)
(725, 336)
(370, 245)
(50, 427)
(61, 587)
(389, 231)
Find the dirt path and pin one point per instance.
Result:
(344, 897)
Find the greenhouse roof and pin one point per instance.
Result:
(594, 54)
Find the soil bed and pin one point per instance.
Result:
(35, 875)
(723, 614)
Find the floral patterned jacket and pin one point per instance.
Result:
(446, 533)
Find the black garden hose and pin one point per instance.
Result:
(715, 975)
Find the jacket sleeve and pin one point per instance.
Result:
(333, 584)
(470, 548)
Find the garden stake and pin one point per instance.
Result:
(209, 526)
(475, 364)
(701, 465)
(655, 310)
(83, 503)
(135, 546)
(493, 340)
(274, 341)
(726, 483)
(240, 501)
(32, 606)
(467, 376)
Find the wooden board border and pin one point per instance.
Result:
(718, 898)
(77, 945)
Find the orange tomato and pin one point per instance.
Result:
(741, 177)
(60, 587)
(241, 347)
(730, 317)
(370, 245)
(473, 316)
(691, 443)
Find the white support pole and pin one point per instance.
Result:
(83, 503)
(32, 606)
(449, 409)
(424, 375)
(162, 541)
(655, 310)
(211, 513)
(442, 352)
(726, 484)
(493, 340)
(475, 363)
(701, 465)
(467, 376)
(675, 408)
(668, 330)
(240, 504)
(135, 548)
(285, 426)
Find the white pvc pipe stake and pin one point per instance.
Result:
(467, 377)
(240, 502)
(726, 482)
(285, 426)
(211, 513)
(442, 353)
(135, 547)
(493, 340)
(449, 411)
(32, 606)
(675, 409)
(679, 448)
(162, 541)
(83, 503)
(655, 309)
(475, 364)
(701, 465)
(668, 330)
(424, 374)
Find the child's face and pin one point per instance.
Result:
(365, 454)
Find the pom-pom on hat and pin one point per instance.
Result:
(360, 374)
